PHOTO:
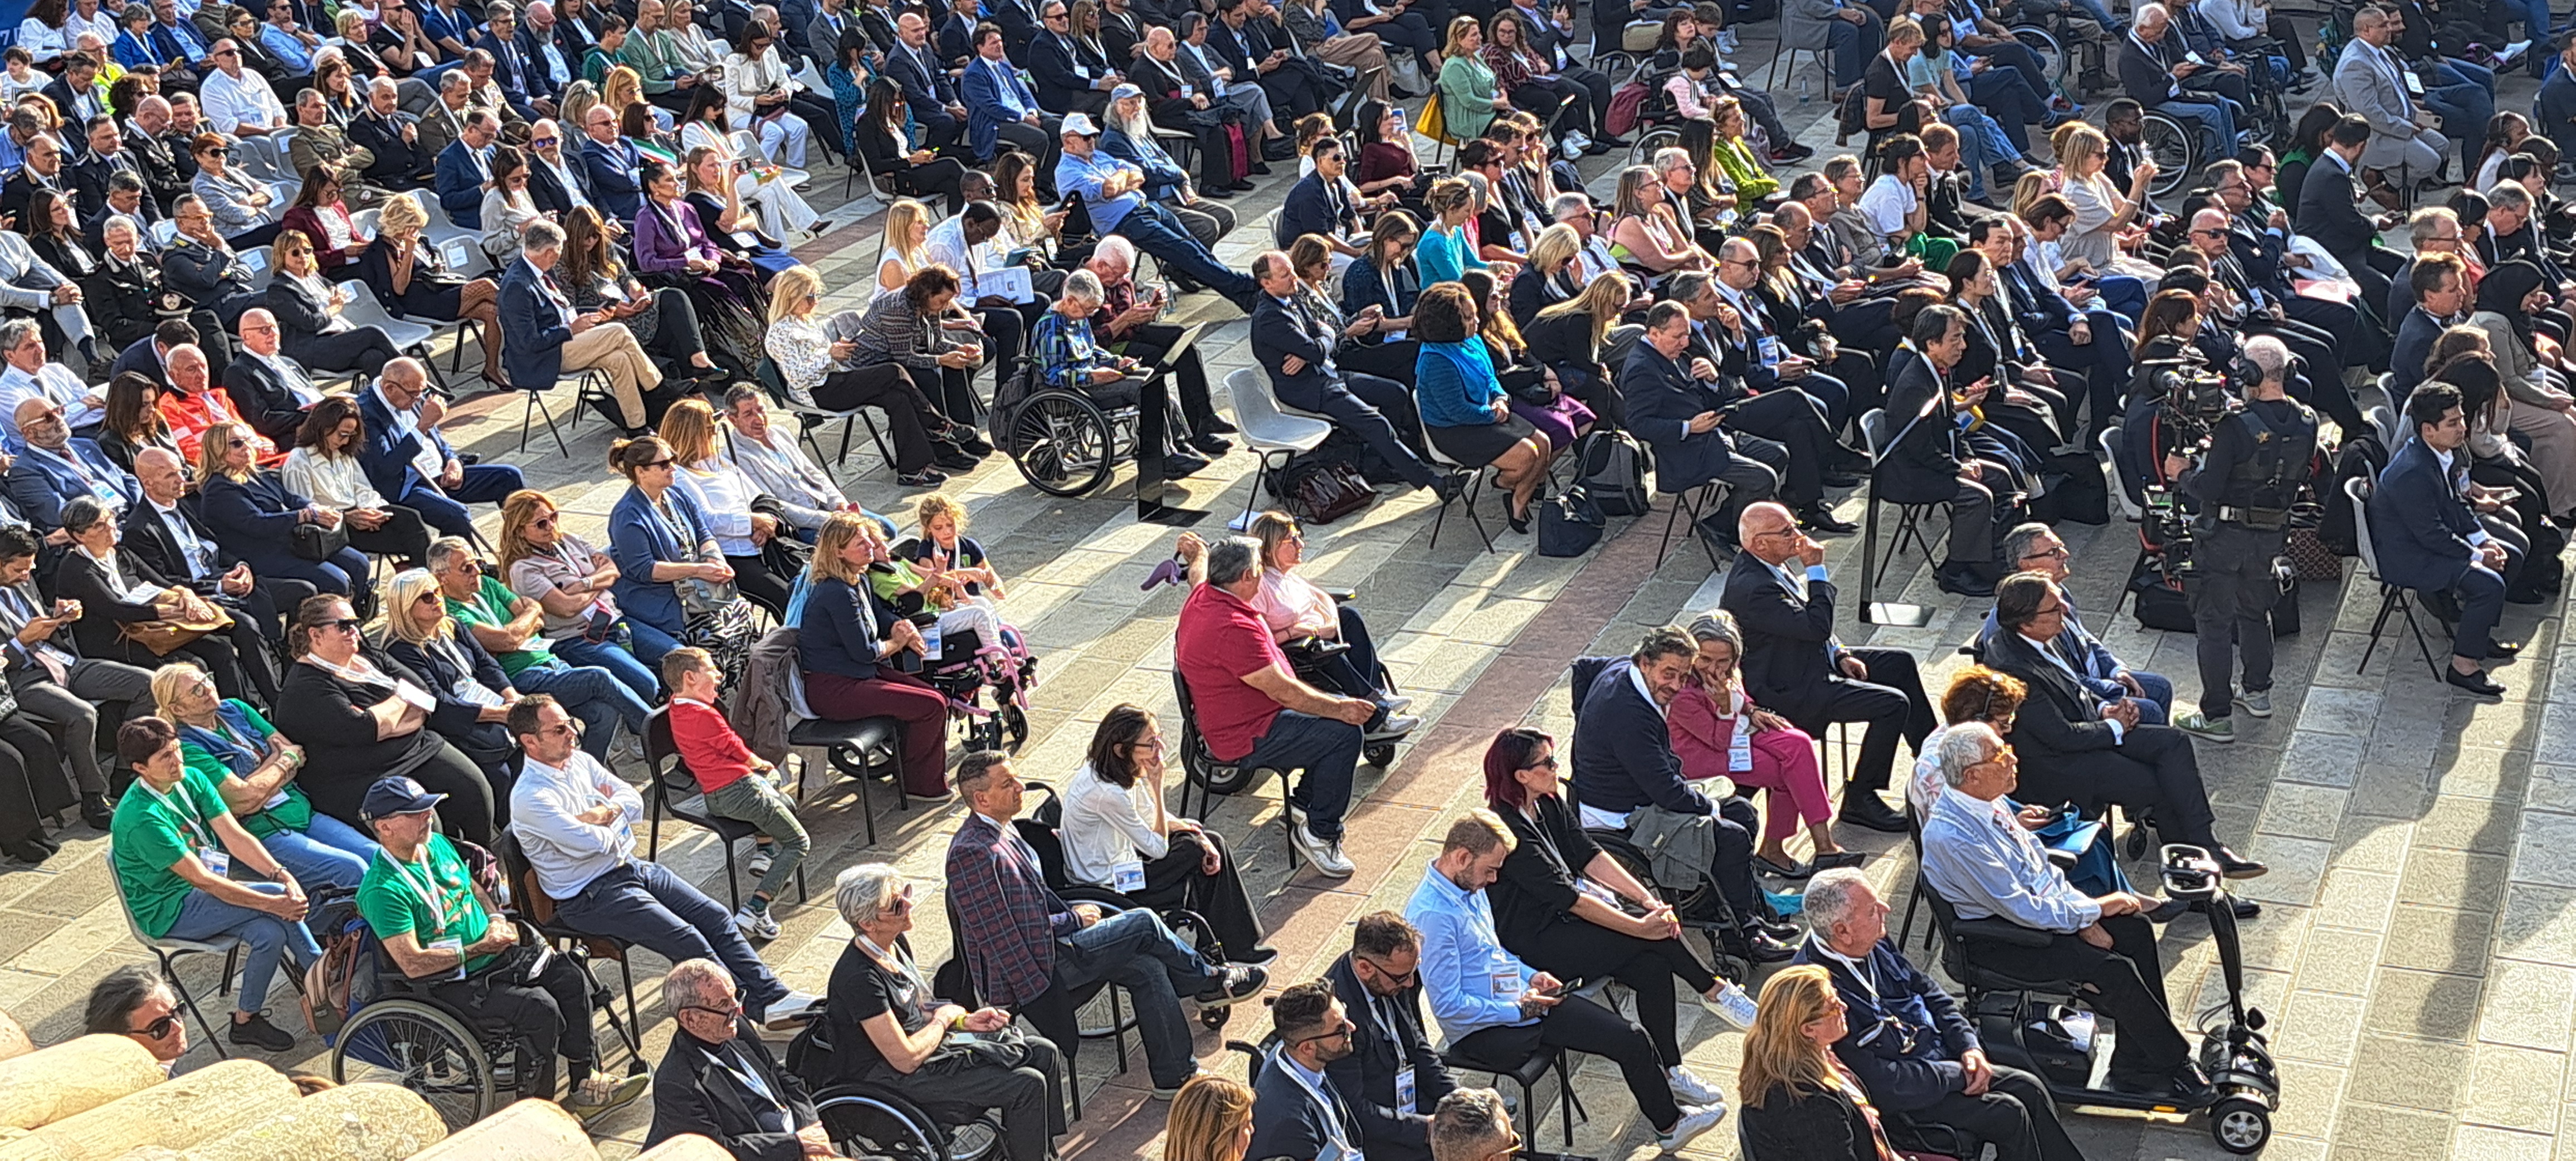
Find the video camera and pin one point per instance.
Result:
(2190, 400)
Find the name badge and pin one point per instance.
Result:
(219, 864)
(1189, 91)
(1504, 985)
(1770, 348)
(2414, 84)
(1404, 1091)
(2194, 58)
(1127, 878)
(452, 945)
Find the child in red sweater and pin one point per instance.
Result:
(738, 783)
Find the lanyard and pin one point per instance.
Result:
(425, 884)
(1335, 1136)
(367, 676)
(181, 805)
(750, 1080)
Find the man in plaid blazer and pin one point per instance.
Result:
(1021, 939)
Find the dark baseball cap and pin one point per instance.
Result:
(398, 795)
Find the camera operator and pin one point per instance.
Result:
(2256, 466)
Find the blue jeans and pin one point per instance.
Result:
(1328, 750)
(594, 695)
(1135, 951)
(1851, 50)
(1982, 145)
(2011, 101)
(203, 916)
(621, 661)
(445, 510)
(648, 906)
(2159, 699)
(1155, 231)
(328, 853)
(2216, 120)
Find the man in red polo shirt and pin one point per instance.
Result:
(1254, 712)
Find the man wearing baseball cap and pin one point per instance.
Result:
(1112, 191)
(437, 926)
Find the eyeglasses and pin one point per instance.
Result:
(2057, 553)
(1547, 763)
(344, 624)
(158, 1028)
(731, 1011)
(1345, 1030)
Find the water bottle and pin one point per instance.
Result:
(1804, 85)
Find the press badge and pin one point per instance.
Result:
(456, 946)
(1770, 348)
(2414, 83)
(1127, 878)
(1506, 985)
(1404, 1089)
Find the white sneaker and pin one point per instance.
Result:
(762, 858)
(1395, 726)
(1688, 1129)
(1733, 1005)
(756, 924)
(1396, 703)
(1325, 854)
(1690, 1090)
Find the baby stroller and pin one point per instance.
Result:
(963, 667)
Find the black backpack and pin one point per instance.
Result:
(1610, 466)
(2360, 457)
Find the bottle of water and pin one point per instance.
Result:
(1804, 85)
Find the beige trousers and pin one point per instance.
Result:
(612, 349)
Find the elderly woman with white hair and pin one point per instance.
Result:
(883, 1025)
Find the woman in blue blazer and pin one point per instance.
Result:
(254, 514)
(473, 694)
(657, 535)
(847, 642)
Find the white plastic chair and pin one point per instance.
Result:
(410, 338)
(262, 264)
(1268, 430)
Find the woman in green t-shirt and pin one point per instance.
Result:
(253, 768)
(172, 843)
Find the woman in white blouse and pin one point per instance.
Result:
(686, 40)
(507, 206)
(906, 245)
(769, 189)
(1117, 834)
(762, 95)
(703, 470)
(324, 468)
(2103, 215)
(41, 33)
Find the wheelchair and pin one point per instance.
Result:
(862, 1120)
(467, 1067)
(1212, 776)
(2174, 145)
(965, 670)
(1065, 443)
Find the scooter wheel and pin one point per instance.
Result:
(1380, 755)
(1215, 1018)
(2240, 1125)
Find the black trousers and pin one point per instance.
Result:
(944, 177)
(551, 1016)
(762, 587)
(1148, 342)
(402, 535)
(1891, 701)
(1580, 1025)
(1030, 1097)
(1542, 97)
(675, 334)
(888, 387)
(2015, 1115)
(2126, 983)
(34, 782)
(1221, 899)
(1388, 360)
(2152, 769)
(1794, 421)
(1572, 948)
(365, 349)
(1379, 411)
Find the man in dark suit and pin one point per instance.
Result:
(2078, 747)
(1066, 80)
(391, 138)
(2438, 533)
(2088, 341)
(1905, 1038)
(720, 1082)
(1793, 664)
(1296, 1112)
(1771, 391)
(160, 166)
(956, 41)
(557, 181)
(106, 158)
(1392, 1077)
(1296, 349)
(465, 170)
(511, 68)
(57, 467)
(46, 168)
(146, 356)
(927, 91)
(166, 535)
(1672, 408)
(2328, 216)
(1319, 205)
(56, 687)
(2441, 286)
(612, 164)
(272, 391)
(1257, 51)
(1022, 941)
(542, 337)
(1927, 461)
(75, 93)
(401, 418)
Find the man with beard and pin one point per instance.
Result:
(1295, 1112)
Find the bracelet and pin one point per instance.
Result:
(957, 1022)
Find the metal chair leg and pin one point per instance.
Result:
(170, 972)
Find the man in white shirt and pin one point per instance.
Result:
(576, 822)
(241, 105)
(30, 373)
(969, 243)
(768, 453)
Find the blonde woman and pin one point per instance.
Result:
(410, 280)
(817, 366)
(1467, 94)
(728, 498)
(1568, 338)
(2106, 220)
(253, 767)
(767, 188)
(906, 244)
(853, 658)
(1798, 1100)
(253, 514)
(473, 695)
(1550, 276)
(1447, 247)
(1211, 1120)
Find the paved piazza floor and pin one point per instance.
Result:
(2417, 951)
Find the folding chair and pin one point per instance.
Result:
(168, 951)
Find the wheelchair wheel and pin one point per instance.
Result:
(1643, 152)
(864, 1123)
(418, 1046)
(1203, 768)
(2043, 44)
(1061, 444)
(1011, 727)
(1379, 754)
(2175, 148)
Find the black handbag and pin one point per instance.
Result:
(314, 542)
(1569, 523)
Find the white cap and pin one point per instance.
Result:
(1079, 124)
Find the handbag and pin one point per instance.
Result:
(1433, 122)
(316, 543)
(168, 635)
(1569, 523)
(700, 597)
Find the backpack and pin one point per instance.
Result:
(1320, 490)
(344, 979)
(1610, 466)
(2360, 457)
(2160, 605)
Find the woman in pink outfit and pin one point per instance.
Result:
(1717, 730)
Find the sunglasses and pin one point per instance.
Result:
(658, 464)
(346, 624)
(158, 1028)
(546, 522)
(426, 599)
(237, 442)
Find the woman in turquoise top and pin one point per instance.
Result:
(1464, 411)
(253, 768)
(1467, 93)
(1447, 248)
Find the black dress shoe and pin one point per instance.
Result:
(2235, 866)
(1217, 426)
(2499, 649)
(1220, 192)
(1822, 519)
(1763, 947)
(1841, 479)
(1780, 929)
(1179, 464)
(95, 811)
(1243, 186)
(953, 461)
(1863, 808)
(1962, 580)
(1520, 524)
(28, 851)
(1211, 445)
(2476, 682)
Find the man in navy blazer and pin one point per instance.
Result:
(1295, 1110)
(1065, 82)
(1381, 992)
(411, 464)
(2429, 526)
(1905, 1038)
(57, 467)
(511, 68)
(1672, 408)
(1319, 205)
(541, 337)
(927, 92)
(613, 165)
(465, 169)
(1296, 348)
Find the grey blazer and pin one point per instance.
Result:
(2364, 86)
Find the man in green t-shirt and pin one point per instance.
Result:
(438, 928)
(508, 626)
(174, 844)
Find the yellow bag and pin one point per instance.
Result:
(1433, 123)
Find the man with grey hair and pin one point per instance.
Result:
(768, 453)
(1254, 712)
(1906, 1040)
(542, 339)
(2034, 547)
(719, 1081)
(241, 105)
(1472, 1124)
(31, 373)
(1130, 323)
(443, 122)
(1981, 858)
(465, 166)
(1594, 260)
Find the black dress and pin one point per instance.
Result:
(957, 1082)
(326, 713)
(432, 293)
(1811, 1125)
